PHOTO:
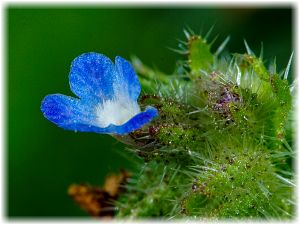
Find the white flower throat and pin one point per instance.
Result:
(116, 111)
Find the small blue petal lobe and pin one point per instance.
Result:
(67, 112)
(127, 79)
(92, 76)
(136, 122)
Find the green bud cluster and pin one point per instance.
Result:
(222, 147)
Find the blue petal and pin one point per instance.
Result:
(127, 79)
(74, 114)
(92, 77)
(68, 113)
(136, 122)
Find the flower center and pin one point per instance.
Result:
(116, 112)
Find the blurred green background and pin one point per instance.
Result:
(42, 159)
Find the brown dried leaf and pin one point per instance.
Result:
(99, 201)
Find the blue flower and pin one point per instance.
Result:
(107, 100)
